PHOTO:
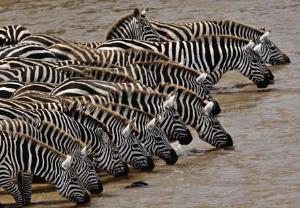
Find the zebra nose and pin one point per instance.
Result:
(87, 198)
(286, 59)
(150, 165)
(173, 159)
(229, 141)
(99, 188)
(216, 108)
(186, 139)
(264, 83)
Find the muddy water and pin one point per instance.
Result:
(263, 170)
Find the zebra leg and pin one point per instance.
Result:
(25, 187)
(7, 183)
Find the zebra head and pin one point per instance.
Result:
(172, 124)
(156, 142)
(270, 52)
(257, 70)
(85, 170)
(110, 159)
(134, 26)
(211, 131)
(69, 185)
(132, 150)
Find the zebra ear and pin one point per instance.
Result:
(158, 119)
(169, 103)
(127, 130)
(151, 123)
(67, 163)
(5, 66)
(136, 12)
(208, 108)
(201, 78)
(264, 37)
(257, 48)
(105, 138)
(145, 11)
(85, 151)
(249, 46)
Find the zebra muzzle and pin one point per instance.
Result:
(173, 158)
(99, 188)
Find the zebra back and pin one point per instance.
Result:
(95, 72)
(8, 88)
(37, 87)
(12, 34)
(27, 51)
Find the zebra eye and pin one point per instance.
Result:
(135, 145)
(272, 47)
(254, 61)
(158, 139)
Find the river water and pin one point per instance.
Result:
(263, 169)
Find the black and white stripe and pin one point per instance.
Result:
(213, 54)
(192, 31)
(12, 34)
(20, 153)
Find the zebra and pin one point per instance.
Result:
(33, 74)
(83, 166)
(12, 34)
(191, 31)
(153, 138)
(106, 155)
(124, 134)
(133, 26)
(213, 54)
(60, 141)
(27, 51)
(21, 153)
(170, 121)
(169, 72)
(92, 133)
(190, 110)
(105, 58)
(9, 87)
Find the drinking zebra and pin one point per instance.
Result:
(213, 54)
(194, 30)
(20, 153)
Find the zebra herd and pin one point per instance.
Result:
(69, 108)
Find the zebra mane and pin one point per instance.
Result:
(178, 88)
(172, 64)
(260, 31)
(34, 141)
(77, 109)
(149, 115)
(78, 141)
(126, 77)
(243, 40)
(146, 93)
(147, 52)
(120, 21)
(93, 107)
